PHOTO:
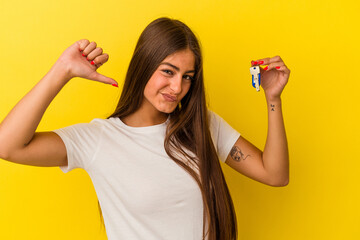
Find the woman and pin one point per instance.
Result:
(155, 161)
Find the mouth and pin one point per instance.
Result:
(169, 97)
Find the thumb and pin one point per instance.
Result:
(101, 78)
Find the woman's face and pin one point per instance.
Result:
(171, 81)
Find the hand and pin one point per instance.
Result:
(78, 65)
(274, 77)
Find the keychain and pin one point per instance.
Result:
(255, 72)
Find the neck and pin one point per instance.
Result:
(145, 117)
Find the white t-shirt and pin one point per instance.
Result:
(142, 192)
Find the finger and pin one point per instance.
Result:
(98, 65)
(267, 61)
(283, 68)
(101, 78)
(89, 48)
(276, 59)
(96, 52)
(278, 66)
(82, 44)
(99, 60)
(263, 61)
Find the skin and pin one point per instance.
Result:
(270, 166)
(20, 143)
(174, 81)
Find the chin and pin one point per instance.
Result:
(167, 110)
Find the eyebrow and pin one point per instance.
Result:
(177, 69)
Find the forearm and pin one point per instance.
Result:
(19, 126)
(276, 155)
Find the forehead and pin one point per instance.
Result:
(182, 58)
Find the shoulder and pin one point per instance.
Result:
(103, 122)
(95, 126)
(214, 123)
(213, 118)
(218, 125)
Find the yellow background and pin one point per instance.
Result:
(318, 41)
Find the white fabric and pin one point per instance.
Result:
(143, 193)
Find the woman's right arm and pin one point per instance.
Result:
(19, 143)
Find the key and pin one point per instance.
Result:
(255, 72)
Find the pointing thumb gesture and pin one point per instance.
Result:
(83, 58)
(101, 78)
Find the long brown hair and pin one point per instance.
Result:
(188, 131)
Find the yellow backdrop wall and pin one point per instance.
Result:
(318, 41)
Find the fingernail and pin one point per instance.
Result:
(266, 68)
(115, 85)
(80, 50)
(252, 62)
(87, 58)
(83, 55)
(92, 62)
(255, 62)
(277, 67)
(261, 62)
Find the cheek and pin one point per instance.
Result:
(155, 84)
(186, 88)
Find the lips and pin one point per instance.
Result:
(169, 97)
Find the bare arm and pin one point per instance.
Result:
(271, 166)
(18, 141)
(276, 155)
(18, 127)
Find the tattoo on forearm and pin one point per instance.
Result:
(237, 154)
(272, 107)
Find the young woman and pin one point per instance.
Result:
(155, 161)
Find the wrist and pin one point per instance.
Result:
(62, 72)
(273, 103)
(273, 99)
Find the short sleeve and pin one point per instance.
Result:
(223, 135)
(81, 141)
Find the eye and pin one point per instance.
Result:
(187, 77)
(167, 71)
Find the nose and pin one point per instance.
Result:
(175, 84)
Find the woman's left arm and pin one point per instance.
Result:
(272, 165)
(276, 155)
